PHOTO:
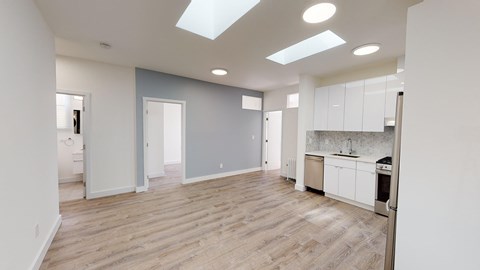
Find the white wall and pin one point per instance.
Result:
(276, 100)
(155, 139)
(28, 158)
(173, 133)
(438, 216)
(112, 133)
(65, 150)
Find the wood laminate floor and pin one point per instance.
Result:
(250, 221)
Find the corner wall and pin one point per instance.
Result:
(28, 156)
(112, 127)
(438, 204)
(218, 130)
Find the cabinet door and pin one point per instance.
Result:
(346, 183)
(336, 107)
(374, 104)
(394, 85)
(330, 179)
(353, 120)
(365, 188)
(320, 118)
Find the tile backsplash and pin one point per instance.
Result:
(364, 143)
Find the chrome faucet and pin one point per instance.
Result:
(350, 146)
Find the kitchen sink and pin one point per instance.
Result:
(345, 155)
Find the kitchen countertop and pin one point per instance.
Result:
(361, 158)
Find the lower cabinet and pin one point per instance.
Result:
(351, 180)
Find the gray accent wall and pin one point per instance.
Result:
(218, 130)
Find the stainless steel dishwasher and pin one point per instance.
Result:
(314, 172)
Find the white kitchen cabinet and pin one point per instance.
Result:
(354, 92)
(374, 104)
(320, 118)
(394, 85)
(365, 183)
(330, 179)
(336, 107)
(346, 183)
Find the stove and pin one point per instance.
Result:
(382, 185)
(385, 164)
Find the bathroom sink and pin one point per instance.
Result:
(345, 155)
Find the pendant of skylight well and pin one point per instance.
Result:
(210, 18)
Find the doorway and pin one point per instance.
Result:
(273, 140)
(164, 142)
(71, 123)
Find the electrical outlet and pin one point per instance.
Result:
(37, 230)
(221, 165)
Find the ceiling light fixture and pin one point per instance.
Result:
(219, 71)
(366, 49)
(105, 45)
(319, 13)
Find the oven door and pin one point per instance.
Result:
(382, 191)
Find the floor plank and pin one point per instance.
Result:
(251, 221)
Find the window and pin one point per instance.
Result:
(64, 120)
(251, 103)
(292, 101)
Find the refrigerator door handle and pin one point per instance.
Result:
(387, 205)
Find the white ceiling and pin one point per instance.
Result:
(143, 34)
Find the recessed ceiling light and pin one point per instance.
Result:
(319, 13)
(366, 49)
(310, 46)
(219, 71)
(105, 45)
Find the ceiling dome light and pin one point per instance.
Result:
(366, 49)
(319, 13)
(219, 71)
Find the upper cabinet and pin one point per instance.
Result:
(394, 85)
(320, 118)
(336, 107)
(354, 92)
(374, 104)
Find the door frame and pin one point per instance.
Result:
(264, 139)
(183, 104)
(87, 120)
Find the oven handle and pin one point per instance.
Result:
(379, 171)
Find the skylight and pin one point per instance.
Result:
(310, 46)
(210, 18)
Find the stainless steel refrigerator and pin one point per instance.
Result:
(392, 203)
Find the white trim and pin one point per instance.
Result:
(345, 200)
(145, 129)
(141, 189)
(77, 178)
(87, 124)
(300, 187)
(46, 245)
(110, 192)
(173, 162)
(220, 175)
(155, 175)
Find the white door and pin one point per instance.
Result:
(155, 141)
(346, 183)
(273, 140)
(320, 121)
(365, 187)
(354, 106)
(330, 179)
(336, 107)
(374, 104)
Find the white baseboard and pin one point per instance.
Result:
(220, 175)
(141, 189)
(155, 175)
(77, 178)
(345, 200)
(172, 162)
(46, 245)
(300, 187)
(110, 192)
